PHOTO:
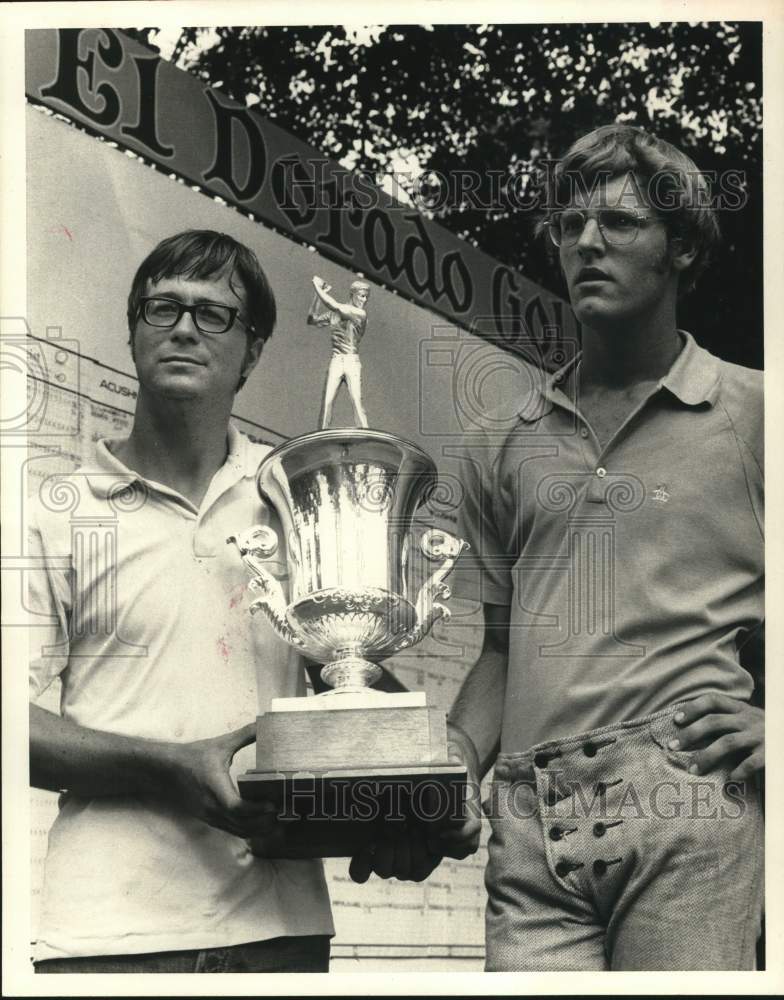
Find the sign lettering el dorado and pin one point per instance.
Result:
(104, 80)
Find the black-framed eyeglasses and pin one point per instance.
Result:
(618, 226)
(209, 317)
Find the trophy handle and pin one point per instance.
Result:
(256, 544)
(436, 544)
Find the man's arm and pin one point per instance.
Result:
(193, 777)
(473, 735)
(87, 761)
(478, 709)
(474, 729)
(724, 730)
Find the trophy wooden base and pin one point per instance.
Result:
(333, 814)
(399, 771)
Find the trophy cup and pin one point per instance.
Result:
(351, 756)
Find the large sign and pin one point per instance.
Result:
(108, 82)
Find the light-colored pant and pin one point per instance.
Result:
(307, 953)
(348, 367)
(606, 853)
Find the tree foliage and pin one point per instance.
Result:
(430, 102)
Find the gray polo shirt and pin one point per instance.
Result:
(634, 572)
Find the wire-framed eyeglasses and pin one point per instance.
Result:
(618, 226)
(209, 317)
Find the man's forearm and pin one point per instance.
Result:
(90, 762)
(479, 706)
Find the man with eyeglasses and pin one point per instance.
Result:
(149, 865)
(616, 532)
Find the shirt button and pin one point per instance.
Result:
(601, 473)
(584, 433)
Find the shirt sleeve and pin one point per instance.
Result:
(483, 572)
(48, 596)
(753, 470)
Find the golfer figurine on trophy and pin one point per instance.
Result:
(346, 322)
(345, 499)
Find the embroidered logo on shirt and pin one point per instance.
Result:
(660, 494)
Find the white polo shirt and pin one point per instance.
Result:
(141, 610)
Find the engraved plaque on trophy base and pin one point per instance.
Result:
(397, 747)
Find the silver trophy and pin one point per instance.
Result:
(346, 500)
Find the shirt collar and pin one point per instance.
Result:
(106, 474)
(110, 478)
(239, 456)
(540, 395)
(695, 374)
(693, 378)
